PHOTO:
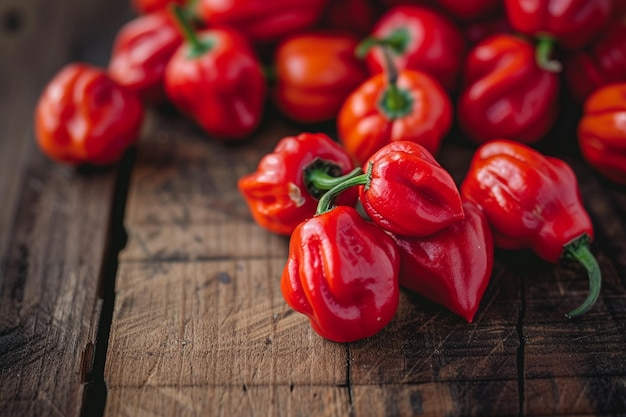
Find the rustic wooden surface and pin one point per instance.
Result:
(188, 318)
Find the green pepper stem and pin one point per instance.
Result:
(197, 46)
(396, 41)
(578, 249)
(326, 200)
(543, 55)
(322, 180)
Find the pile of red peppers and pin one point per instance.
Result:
(368, 208)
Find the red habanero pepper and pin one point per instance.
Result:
(505, 93)
(84, 117)
(470, 10)
(406, 191)
(149, 6)
(262, 20)
(409, 105)
(418, 38)
(314, 73)
(602, 62)
(216, 79)
(141, 51)
(342, 272)
(453, 266)
(570, 23)
(533, 201)
(602, 132)
(285, 188)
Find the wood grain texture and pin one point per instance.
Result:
(54, 221)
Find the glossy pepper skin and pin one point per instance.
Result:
(532, 201)
(84, 117)
(453, 266)
(408, 192)
(342, 272)
(602, 62)
(279, 193)
(419, 38)
(141, 51)
(215, 78)
(262, 21)
(602, 132)
(505, 93)
(415, 108)
(315, 72)
(571, 23)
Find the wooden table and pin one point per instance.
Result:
(147, 289)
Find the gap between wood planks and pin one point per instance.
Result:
(95, 396)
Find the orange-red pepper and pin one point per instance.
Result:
(149, 6)
(215, 78)
(314, 73)
(385, 108)
(602, 132)
(342, 273)
(533, 201)
(285, 188)
(84, 117)
(141, 51)
(505, 93)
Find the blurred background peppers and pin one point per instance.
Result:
(505, 93)
(141, 51)
(533, 201)
(453, 266)
(418, 38)
(285, 188)
(601, 62)
(342, 272)
(314, 73)
(216, 79)
(84, 117)
(602, 132)
(262, 21)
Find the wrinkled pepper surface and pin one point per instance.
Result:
(533, 201)
(285, 188)
(215, 78)
(451, 267)
(602, 132)
(505, 93)
(342, 272)
(84, 117)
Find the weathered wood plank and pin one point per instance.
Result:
(54, 221)
(273, 400)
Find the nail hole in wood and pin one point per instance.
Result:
(12, 21)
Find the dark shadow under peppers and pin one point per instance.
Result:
(285, 188)
(342, 272)
(533, 201)
(451, 267)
